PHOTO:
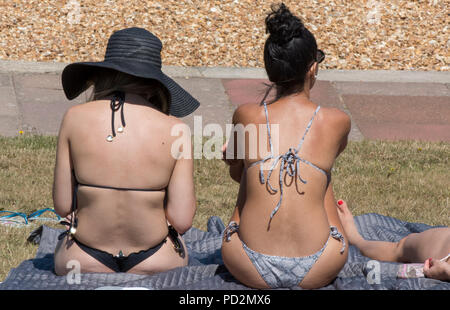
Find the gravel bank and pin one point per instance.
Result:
(390, 35)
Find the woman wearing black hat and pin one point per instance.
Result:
(285, 230)
(125, 193)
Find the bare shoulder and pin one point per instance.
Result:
(172, 120)
(336, 120)
(78, 110)
(246, 113)
(71, 116)
(174, 127)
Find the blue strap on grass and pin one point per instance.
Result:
(11, 217)
(36, 215)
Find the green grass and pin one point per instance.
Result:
(407, 180)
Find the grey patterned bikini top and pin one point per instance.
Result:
(289, 162)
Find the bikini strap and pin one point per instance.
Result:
(77, 183)
(334, 232)
(307, 129)
(289, 162)
(124, 188)
(268, 128)
(229, 230)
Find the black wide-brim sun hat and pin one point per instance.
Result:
(137, 52)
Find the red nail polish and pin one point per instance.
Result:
(340, 202)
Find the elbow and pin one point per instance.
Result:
(61, 204)
(182, 221)
(183, 228)
(187, 223)
(62, 208)
(62, 211)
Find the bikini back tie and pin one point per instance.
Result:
(289, 162)
(117, 102)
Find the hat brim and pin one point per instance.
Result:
(75, 77)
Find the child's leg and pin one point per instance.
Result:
(379, 250)
(414, 248)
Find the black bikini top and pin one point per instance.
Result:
(116, 188)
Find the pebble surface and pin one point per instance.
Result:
(366, 34)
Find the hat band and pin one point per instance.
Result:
(137, 49)
(128, 59)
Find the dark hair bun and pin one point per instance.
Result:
(282, 25)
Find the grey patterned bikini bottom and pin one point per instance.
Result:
(279, 271)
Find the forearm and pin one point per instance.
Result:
(331, 209)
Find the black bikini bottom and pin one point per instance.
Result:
(121, 263)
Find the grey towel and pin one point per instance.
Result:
(206, 271)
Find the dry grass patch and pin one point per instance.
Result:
(407, 180)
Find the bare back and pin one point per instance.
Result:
(140, 157)
(300, 226)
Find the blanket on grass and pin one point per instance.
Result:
(206, 271)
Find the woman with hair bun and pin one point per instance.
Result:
(285, 230)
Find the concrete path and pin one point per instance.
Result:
(390, 105)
